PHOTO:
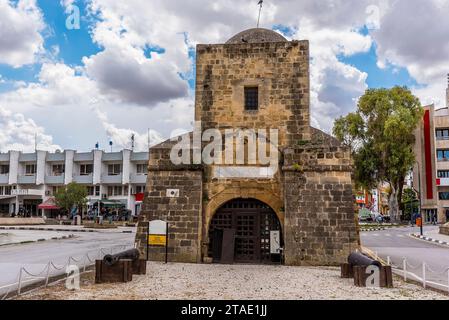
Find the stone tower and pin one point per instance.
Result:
(302, 211)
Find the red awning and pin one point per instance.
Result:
(50, 204)
(44, 207)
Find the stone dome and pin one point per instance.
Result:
(256, 35)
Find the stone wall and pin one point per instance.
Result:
(279, 69)
(182, 213)
(320, 225)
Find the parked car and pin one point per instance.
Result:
(365, 215)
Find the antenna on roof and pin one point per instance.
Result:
(260, 11)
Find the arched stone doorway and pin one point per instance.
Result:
(245, 231)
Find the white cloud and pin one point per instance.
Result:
(121, 138)
(131, 78)
(126, 29)
(124, 76)
(18, 133)
(20, 27)
(335, 86)
(414, 34)
(58, 85)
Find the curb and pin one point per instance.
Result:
(364, 229)
(52, 229)
(39, 240)
(372, 230)
(428, 239)
(44, 229)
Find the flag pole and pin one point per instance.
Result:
(260, 10)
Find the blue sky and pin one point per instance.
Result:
(73, 45)
(388, 77)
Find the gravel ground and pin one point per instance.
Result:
(234, 282)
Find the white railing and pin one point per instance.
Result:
(408, 271)
(51, 270)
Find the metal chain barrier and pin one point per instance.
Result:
(426, 270)
(39, 275)
(46, 273)
(10, 288)
(412, 266)
(58, 269)
(437, 272)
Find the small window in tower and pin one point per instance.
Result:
(251, 98)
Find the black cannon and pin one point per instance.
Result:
(112, 259)
(358, 259)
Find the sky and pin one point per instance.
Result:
(77, 72)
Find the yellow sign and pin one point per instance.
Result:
(157, 240)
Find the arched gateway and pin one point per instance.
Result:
(257, 82)
(245, 231)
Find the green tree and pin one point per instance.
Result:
(380, 135)
(411, 203)
(71, 196)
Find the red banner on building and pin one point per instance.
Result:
(428, 153)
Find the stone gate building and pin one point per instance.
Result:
(219, 213)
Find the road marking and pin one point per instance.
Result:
(388, 235)
(375, 235)
(400, 236)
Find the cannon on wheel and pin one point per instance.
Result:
(112, 259)
(358, 259)
(357, 267)
(119, 267)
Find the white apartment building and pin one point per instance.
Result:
(30, 180)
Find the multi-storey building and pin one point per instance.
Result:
(431, 170)
(30, 180)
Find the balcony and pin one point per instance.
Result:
(84, 157)
(4, 178)
(26, 179)
(107, 179)
(55, 157)
(140, 156)
(28, 157)
(114, 156)
(54, 179)
(87, 179)
(138, 178)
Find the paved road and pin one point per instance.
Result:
(35, 257)
(397, 244)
